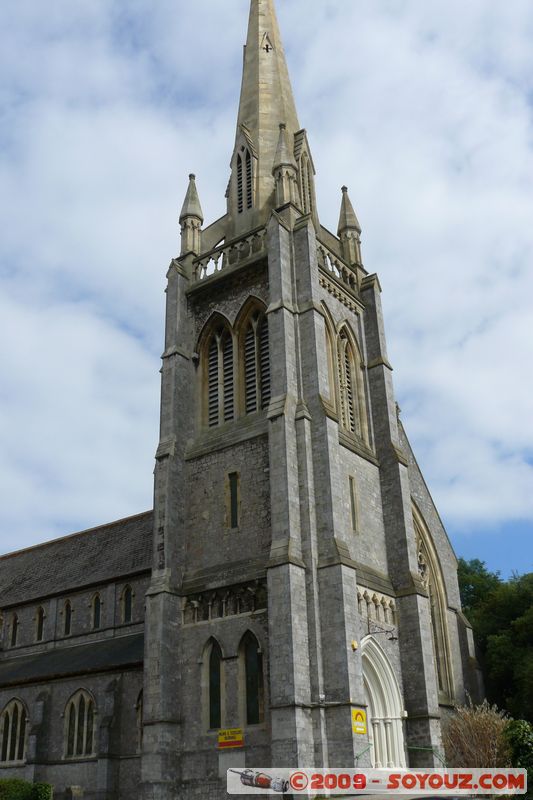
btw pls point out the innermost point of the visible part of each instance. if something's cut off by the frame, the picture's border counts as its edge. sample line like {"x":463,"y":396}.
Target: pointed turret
{"x":286,"y":174}
{"x":349,"y":230}
{"x":266,"y":101}
{"x":191,"y":219}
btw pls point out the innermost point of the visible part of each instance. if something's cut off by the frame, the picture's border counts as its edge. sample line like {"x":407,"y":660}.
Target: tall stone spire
{"x":266,"y":101}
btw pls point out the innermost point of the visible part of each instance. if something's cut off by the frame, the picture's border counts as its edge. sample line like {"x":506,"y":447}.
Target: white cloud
{"x":423,"y":109}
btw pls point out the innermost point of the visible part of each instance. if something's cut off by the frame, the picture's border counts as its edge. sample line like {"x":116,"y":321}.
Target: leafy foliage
{"x":519,"y":735}
{"x":476,"y":583}
{"x":16,"y":789}
{"x":501,"y":613}
{"x":42,"y":791}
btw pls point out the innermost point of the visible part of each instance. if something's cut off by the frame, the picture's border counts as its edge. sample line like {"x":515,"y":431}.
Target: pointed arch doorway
{"x":385,"y":708}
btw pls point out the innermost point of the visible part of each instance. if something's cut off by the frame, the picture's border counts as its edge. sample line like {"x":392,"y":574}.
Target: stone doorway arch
{"x":385,"y":708}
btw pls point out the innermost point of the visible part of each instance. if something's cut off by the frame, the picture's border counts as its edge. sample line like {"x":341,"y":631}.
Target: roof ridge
{"x":49,"y":542}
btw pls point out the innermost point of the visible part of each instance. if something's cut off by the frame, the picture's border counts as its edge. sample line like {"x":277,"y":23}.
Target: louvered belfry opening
{"x":347,"y":385}
{"x":245,"y":180}
{"x":236,"y":369}
{"x":264,"y":362}
{"x":249,"y":176}
{"x":240,"y":192}
{"x":227,"y":377}
{"x":256,"y":364}
{"x":350,"y":408}
{"x":250,"y":368}
{"x":220,"y":381}
{"x":212,"y":378}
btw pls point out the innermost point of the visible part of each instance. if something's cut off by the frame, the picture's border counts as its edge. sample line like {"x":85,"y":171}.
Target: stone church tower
{"x":300,"y":569}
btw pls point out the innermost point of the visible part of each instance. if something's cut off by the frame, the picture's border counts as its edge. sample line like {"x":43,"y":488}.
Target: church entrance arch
{"x":385,"y":707}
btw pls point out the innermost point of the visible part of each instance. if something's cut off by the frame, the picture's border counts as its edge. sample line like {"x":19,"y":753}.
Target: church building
{"x":294,"y":575}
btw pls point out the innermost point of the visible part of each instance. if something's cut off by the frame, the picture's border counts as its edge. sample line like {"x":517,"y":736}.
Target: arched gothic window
{"x":14,"y":631}
{"x":127,"y":604}
{"x":256,"y":363}
{"x":13,"y":733}
{"x":352,"y":411}
{"x":67,"y":621}
{"x":431,"y":575}
{"x":79,"y":731}
{"x":212,"y":685}
{"x":220,"y":377}
{"x":348,"y":385}
{"x":39,"y":624}
{"x":244,"y":180}
{"x":252,"y":672}
{"x":97,"y":611}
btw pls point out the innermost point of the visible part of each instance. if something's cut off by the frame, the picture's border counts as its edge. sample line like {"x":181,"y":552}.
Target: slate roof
{"x":93,"y":556}
{"x":111,"y":654}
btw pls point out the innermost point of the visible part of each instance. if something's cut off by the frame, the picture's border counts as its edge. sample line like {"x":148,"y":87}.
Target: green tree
{"x":501,"y":613}
{"x":476,"y":583}
{"x":519,"y":736}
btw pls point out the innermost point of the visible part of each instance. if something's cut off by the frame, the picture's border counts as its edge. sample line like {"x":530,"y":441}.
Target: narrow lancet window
{"x":127,"y":604}
{"x":67,"y":623}
{"x":353,"y":505}
{"x":14,"y":631}
{"x":253,"y":679}
{"x":233,"y":499}
{"x":39,"y":627}
{"x":97,"y":612}
{"x":215,"y":686}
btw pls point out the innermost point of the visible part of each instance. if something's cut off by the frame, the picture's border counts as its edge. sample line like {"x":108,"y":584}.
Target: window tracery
{"x":432,"y":580}
{"x":235,"y":374}
{"x":79,"y":731}
{"x":13,"y":725}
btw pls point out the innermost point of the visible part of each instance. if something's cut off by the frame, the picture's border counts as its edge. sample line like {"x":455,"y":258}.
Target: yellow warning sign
{"x":359,"y":721}
{"x":230,"y":737}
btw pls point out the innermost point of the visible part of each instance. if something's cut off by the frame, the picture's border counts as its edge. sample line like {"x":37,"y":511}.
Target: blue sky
{"x":423,"y":109}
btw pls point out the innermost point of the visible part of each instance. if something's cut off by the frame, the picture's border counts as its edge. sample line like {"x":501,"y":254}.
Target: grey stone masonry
{"x":294,"y":575}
